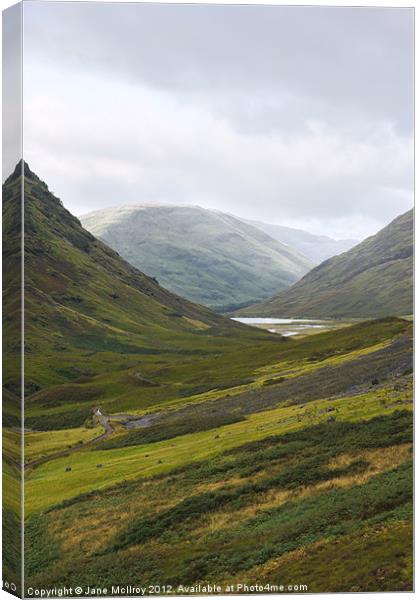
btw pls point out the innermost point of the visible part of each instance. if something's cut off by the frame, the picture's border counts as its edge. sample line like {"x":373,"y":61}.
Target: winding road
{"x":101,"y":419}
{"x":127,"y":420}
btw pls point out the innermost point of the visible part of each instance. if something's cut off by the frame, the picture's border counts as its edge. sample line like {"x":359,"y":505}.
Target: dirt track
{"x":103,"y":420}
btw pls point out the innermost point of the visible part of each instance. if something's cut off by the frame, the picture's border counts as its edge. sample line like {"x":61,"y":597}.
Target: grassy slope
{"x":11,"y":365}
{"x":306,"y":382}
{"x":245,"y":513}
{"x":207,"y":256}
{"x":375,"y":278}
{"x":94,"y":324}
{"x":144,"y":460}
{"x":310,"y":474}
{"x":317,"y":463}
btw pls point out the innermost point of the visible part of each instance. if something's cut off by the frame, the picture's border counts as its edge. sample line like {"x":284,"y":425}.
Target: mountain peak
{"x":22,"y":166}
{"x":207,"y":256}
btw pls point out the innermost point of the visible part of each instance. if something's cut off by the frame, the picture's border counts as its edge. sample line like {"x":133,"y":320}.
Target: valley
{"x":295,"y":327}
{"x":344,"y":440}
{"x":207,"y":256}
{"x":278,"y":473}
{"x":372,"y":279}
{"x":165,"y":442}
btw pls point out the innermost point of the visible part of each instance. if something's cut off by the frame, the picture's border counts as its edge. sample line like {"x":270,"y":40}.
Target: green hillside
{"x":166,"y":445}
{"x":314,"y":469}
{"x":204,"y":255}
{"x":95,"y":325}
{"x":373,"y":279}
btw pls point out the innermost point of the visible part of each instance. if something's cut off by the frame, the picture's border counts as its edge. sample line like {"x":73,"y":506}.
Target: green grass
{"x":93,"y":322}
{"x":158,"y":433}
{"x":146,"y":460}
{"x":179,"y":535}
{"x":190,"y":379}
{"x":384,"y":498}
{"x":12,"y":487}
{"x":12,"y":549}
{"x":384,"y":562}
{"x":262,"y":448}
{"x":41,"y":444}
{"x":293,"y":450}
{"x":59,"y":420}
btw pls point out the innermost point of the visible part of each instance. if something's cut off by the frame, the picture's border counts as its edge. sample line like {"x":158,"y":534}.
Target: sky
{"x":298,"y":116}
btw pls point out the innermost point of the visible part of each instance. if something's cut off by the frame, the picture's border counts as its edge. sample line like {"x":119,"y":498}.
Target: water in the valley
{"x":286,"y":327}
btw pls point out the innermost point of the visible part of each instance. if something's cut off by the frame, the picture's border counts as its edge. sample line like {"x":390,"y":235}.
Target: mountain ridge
{"x":208,"y":256}
{"x":316,"y":247}
{"x":373,"y":279}
{"x":86,"y":309}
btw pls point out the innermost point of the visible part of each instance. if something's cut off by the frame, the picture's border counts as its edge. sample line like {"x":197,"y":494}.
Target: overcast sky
{"x":299,"y":116}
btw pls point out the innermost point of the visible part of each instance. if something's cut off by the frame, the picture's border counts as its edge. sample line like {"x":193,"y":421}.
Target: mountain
{"x":93,"y":322}
{"x":192,"y":446}
{"x":203,"y":255}
{"x":373,"y":279}
{"x":316,"y":247}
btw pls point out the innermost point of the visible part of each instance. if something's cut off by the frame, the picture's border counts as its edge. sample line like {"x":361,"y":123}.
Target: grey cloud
{"x":288,"y":114}
{"x":359,"y":58}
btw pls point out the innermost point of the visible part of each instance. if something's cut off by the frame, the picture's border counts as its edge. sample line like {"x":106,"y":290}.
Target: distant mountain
{"x":373,"y":279}
{"x":316,"y":247}
{"x":203,"y":255}
{"x":87,"y":311}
